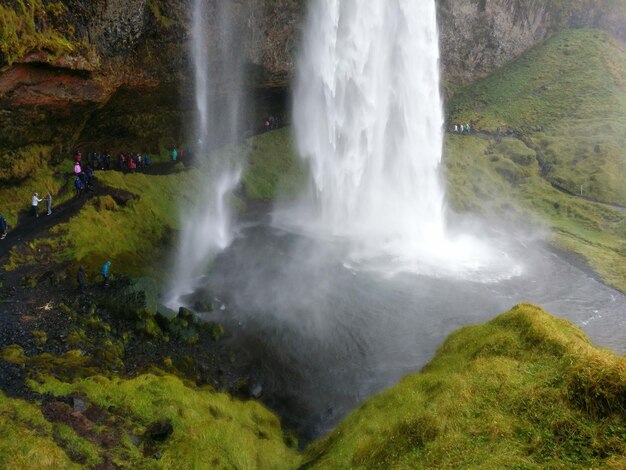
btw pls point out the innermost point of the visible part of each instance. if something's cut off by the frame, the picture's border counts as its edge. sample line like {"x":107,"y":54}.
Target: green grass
{"x":26,"y":439}
{"x":525,"y":390}
{"x":24,"y":173}
{"x":211,"y":430}
{"x":273,"y":166}
{"x":568,"y":97}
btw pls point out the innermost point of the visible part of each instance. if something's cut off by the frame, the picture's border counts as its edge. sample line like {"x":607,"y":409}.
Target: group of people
{"x":83,"y":177}
{"x":468,"y":128}
{"x":98,"y":161}
{"x":130,"y":162}
{"x":270,"y":123}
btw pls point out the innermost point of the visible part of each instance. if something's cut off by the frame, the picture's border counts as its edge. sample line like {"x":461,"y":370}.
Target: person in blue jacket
{"x":4,"y":227}
{"x":105,"y":273}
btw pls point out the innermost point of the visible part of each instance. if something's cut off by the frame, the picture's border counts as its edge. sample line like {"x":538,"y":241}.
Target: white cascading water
{"x":207,"y":228}
{"x":368,"y":119}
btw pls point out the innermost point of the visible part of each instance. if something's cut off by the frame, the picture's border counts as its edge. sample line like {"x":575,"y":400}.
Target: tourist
{"x":49,"y":203}
{"x":131,"y":164}
{"x":456,"y":128}
{"x":35,"y":202}
{"x":77,"y":157}
{"x":174,"y":154}
{"x":4,"y":227}
{"x":147,"y":161}
{"x":77,"y":169}
{"x":80,"y":277}
{"x":105,"y":273}
{"x":88,"y":175}
{"x":79,"y":185}
{"x":467,"y":128}
{"x":460,"y":128}
{"x":122,"y":161}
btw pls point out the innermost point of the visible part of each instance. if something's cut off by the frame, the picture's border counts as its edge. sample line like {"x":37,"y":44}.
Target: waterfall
{"x":217,"y":70}
{"x":368,"y":120}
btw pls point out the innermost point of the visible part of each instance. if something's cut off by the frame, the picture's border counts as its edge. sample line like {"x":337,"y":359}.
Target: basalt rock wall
{"x":62,"y":63}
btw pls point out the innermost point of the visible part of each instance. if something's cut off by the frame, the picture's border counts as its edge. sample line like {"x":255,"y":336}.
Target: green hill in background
{"x":568,"y":98}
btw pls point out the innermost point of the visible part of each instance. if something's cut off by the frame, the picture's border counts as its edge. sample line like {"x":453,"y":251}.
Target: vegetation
{"x":27,"y":439}
{"x":525,"y":390}
{"x":567,"y":98}
{"x":33,"y":25}
{"x":129,"y":232}
{"x":209,"y":429}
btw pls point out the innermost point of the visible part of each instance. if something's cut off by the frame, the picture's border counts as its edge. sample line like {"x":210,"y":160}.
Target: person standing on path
{"x":80,"y":277}
{"x":35,"y":202}
{"x":49,"y":203}
{"x":105,"y":273}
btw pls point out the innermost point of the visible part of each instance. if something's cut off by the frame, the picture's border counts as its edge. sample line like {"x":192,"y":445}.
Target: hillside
{"x":560,"y":114}
{"x":523,"y":391}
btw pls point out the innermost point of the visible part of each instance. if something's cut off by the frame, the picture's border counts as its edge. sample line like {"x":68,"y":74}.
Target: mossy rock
{"x":137,"y":300}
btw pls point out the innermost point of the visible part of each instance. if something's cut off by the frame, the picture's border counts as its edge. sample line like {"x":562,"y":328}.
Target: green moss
{"x":40,"y":337}
{"x":27,"y":441}
{"x":209,"y":428}
{"x":79,"y":449}
{"x":522,"y":391}
{"x":14,"y":354}
{"x":27,"y":26}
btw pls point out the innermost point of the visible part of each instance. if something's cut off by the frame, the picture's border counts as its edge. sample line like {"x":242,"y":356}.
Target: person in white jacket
{"x":35,"y":203}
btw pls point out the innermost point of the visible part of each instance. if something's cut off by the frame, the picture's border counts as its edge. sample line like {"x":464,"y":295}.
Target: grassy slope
{"x":525,"y":390}
{"x":568,"y":96}
{"x":211,"y":430}
{"x":130,"y":235}
{"x":26,"y":439}
{"x":505,"y":178}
